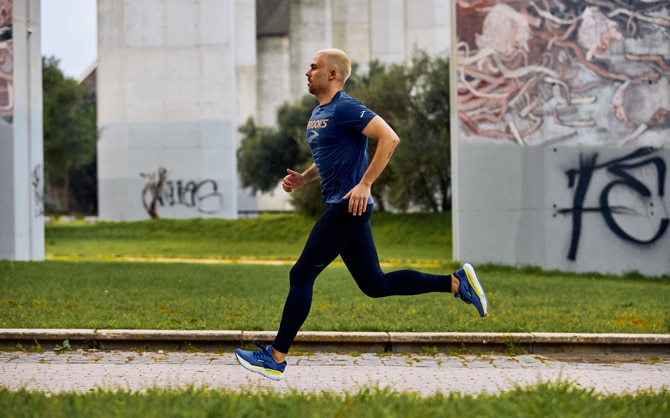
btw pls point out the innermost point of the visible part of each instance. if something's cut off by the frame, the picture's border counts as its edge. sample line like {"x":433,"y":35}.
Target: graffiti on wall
{"x":6,"y":62}
{"x":202,"y":196}
{"x":153,"y":188}
{"x":37,"y":184}
{"x":629,"y":199}
{"x":541,"y":72}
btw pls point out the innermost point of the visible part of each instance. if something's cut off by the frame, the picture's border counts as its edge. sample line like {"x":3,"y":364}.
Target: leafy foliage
{"x":265,"y":153}
{"x":414,"y":100}
{"x":70,"y":133}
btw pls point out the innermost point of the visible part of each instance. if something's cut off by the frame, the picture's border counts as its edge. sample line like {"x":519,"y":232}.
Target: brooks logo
{"x":312,"y":136}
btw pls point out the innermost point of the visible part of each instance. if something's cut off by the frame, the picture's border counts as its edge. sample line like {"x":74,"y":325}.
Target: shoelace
{"x":263,"y":352}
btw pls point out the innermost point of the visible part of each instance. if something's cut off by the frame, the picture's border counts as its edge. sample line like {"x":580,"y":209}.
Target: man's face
{"x":317,"y":75}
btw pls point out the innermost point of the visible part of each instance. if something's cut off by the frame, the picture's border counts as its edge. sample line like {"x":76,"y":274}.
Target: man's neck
{"x":327,"y":97}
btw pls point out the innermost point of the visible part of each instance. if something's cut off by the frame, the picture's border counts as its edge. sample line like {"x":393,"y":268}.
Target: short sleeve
{"x":354,"y":115}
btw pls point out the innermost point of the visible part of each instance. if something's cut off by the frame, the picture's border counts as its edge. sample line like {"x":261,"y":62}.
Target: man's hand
{"x":292,"y":181}
{"x":358,"y":199}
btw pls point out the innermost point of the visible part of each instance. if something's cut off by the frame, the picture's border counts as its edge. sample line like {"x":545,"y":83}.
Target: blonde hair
{"x":337,"y":58}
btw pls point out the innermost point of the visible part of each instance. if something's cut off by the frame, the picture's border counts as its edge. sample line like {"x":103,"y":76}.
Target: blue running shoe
{"x":261,"y":361}
{"x":470,"y":291}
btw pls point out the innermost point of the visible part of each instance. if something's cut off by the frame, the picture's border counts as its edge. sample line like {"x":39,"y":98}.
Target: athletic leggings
{"x":338,"y":232}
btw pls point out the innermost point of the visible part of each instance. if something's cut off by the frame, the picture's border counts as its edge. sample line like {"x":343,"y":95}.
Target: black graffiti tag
{"x":621,"y":169}
{"x":38,"y":190}
{"x":203,"y":195}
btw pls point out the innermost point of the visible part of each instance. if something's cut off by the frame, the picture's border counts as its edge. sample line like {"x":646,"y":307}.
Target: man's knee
{"x":302,"y":275}
{"x":373,"y":291}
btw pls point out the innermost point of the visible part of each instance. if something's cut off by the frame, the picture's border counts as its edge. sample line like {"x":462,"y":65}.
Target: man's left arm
{"x":387,"y":141}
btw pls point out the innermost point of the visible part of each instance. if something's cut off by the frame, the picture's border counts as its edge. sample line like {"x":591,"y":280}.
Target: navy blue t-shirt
{"x":339,"y":149}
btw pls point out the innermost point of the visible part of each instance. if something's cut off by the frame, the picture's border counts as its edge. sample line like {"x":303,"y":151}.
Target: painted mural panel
{"x":563,"y":118}
{"x":568,"y":72}
{"x":6,"y":62}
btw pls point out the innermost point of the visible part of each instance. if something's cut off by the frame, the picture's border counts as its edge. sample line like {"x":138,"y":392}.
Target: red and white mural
{"x":549,"y":72}
{"x":6,"y":62}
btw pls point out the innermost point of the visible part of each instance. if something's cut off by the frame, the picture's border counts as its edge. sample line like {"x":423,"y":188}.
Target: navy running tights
{"x":338,"y":232}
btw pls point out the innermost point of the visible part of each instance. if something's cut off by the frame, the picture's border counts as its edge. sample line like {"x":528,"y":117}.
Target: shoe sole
{"x":474,"y":283}
{"x":269,"y":373}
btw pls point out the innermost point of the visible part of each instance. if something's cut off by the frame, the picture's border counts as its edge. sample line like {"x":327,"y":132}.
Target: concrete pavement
{"x":468,"y":363}
{"x":86,"y":370}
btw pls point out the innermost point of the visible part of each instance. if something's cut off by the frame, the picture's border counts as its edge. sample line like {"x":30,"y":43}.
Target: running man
{"x":338,"y":133}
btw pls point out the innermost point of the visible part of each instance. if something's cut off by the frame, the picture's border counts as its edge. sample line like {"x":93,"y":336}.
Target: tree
{"x":265,"y":153}
{"x":70,"y":132}
{"x":425,"y":159}
{"x":414,"y":100}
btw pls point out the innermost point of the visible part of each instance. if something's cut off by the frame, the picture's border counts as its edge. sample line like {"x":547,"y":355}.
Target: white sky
{"x":69,"y":32}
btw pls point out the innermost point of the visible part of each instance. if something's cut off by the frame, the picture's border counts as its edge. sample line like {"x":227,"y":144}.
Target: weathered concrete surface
{"x":541,"y":343}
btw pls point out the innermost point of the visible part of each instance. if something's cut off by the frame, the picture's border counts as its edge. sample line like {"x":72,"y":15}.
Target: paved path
{"x":82,"y":371}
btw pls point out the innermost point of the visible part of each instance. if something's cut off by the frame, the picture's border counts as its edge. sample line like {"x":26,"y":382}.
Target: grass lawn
{"x":543,"y":400}
{"x":103,"y":294}
{"x":93,"y":292}
{"x":425,"y":237}
{"x":86,"y":284}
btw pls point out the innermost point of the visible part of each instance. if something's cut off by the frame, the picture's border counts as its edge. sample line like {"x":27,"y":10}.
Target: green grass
{"x":81,"y":288}
{"x":399,"y":237}
{"x":100,"y":294}
{"x":543,"y":400}
{"x":91,"y":292}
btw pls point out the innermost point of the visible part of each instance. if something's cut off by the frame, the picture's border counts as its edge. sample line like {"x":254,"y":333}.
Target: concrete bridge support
{"x":21,"y":161}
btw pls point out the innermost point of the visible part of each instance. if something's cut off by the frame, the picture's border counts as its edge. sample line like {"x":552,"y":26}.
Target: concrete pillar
{"x":171,"y":77}
{"x":582,"y":187}
{"x":387,"y":30}
{"x":428,"y":26}
{"x":351,"y":30}
{"x":246,"y":82}
{"x":311,"y":26}
{"x":21,"y":161}
{"x":273,"y":78}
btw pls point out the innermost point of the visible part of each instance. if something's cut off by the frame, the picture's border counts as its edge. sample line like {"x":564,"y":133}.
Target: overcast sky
{"x":69,"y":32}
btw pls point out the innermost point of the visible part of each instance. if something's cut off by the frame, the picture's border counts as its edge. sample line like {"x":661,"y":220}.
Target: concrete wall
{"x":21,"y":161}
{"x":562,"y":146}
{"x":398,"y":28}
{"x":311,"y":29}
{"x":171,"y":95}
{"x":565,"y":208}
{"x":390,"y":31}
{"x":273,"y":87}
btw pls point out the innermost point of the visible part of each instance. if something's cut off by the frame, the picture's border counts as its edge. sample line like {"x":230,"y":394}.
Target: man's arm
{"x":295,"y":180}
{"x":387,"y":141}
